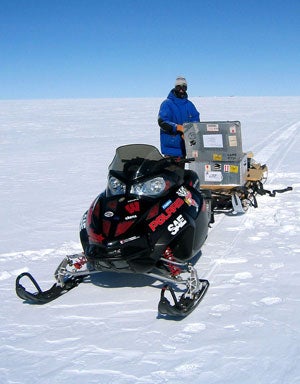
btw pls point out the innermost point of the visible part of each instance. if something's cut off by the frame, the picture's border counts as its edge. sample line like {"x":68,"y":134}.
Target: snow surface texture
{"x":54,"y":158}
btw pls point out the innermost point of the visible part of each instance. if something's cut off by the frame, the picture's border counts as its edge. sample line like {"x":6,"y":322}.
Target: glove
{"x":179,"y":128}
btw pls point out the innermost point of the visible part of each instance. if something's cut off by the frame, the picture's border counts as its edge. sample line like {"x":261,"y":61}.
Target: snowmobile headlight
{"x":153,"y":187}
{"x":116,"y":186}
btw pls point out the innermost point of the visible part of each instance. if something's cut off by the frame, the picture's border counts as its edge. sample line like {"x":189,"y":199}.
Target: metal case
{"x":216,"y":147}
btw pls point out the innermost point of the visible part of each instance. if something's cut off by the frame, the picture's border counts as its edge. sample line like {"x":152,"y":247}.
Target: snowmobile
{"x":152,"y":219}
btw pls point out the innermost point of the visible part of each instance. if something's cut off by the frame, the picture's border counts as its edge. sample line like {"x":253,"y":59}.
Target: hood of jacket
{"x":177,"y":100}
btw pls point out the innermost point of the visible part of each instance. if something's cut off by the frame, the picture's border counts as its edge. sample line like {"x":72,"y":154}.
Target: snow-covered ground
{"x":53,"y":160}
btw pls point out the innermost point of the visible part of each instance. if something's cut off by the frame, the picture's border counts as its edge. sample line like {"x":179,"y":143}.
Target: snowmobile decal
{"x":132,"y":207}
{"x":130,"y":217}
{"x":166,"y":204}
{"x":123,"y":227}
{"x":124,"y":241}
{"x":188,"y":198}
{"x":163,"y":217}
{"x":153,"y":212}
{"x":177,"y":224}
{"x":98,"y":238}
{"x":106,"y":227}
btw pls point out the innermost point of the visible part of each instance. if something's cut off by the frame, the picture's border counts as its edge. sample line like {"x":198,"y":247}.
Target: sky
{"x":136,"y":48}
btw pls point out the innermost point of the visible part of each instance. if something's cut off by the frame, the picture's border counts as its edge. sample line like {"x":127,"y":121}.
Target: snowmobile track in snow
{"x":271,"y":153}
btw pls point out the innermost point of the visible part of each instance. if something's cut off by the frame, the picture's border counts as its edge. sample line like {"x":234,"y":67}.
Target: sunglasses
{"x":181,"y":87}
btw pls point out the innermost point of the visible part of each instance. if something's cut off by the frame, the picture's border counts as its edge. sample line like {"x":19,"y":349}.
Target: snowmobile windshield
{"x":135,"y":161}
{"x":137,"y":169}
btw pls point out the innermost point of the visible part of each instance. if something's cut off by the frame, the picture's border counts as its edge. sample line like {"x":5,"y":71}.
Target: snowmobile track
{"x":285,"y":134}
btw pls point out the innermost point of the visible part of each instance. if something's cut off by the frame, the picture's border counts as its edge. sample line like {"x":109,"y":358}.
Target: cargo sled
{"x":232,"y":176}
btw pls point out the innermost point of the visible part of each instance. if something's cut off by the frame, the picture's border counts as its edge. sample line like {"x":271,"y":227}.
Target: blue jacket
{"x":174,"y":111}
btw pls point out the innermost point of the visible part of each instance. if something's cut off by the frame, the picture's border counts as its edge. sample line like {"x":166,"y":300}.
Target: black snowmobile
{"x":152,"y":219}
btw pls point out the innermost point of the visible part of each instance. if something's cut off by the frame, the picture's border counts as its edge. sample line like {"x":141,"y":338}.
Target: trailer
{"x":232,"y":177}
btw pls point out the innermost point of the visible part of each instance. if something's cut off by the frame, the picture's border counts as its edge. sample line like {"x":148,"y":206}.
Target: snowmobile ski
{"x":188,"y":301}
{"x":237,"y":204}
{"x":40,"y":296}
{"x":183,"y":306}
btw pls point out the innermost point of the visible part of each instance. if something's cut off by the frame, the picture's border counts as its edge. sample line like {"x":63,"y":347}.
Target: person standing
{"x":176,"y":110}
